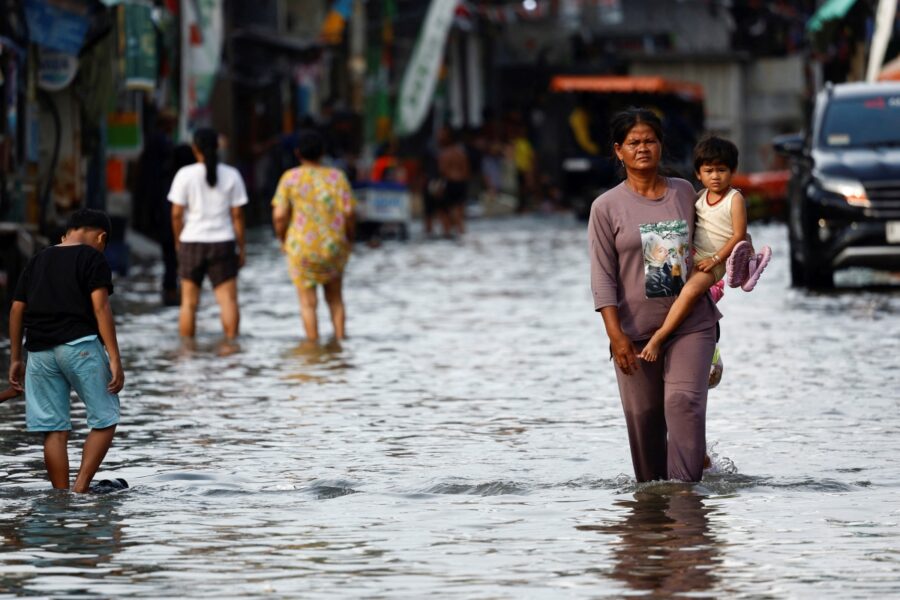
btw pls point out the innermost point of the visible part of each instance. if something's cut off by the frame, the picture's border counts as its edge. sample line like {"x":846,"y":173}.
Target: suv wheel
{"x":817,"y":273}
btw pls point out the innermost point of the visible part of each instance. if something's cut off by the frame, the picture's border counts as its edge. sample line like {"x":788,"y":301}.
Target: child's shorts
{"x":718,"y":271}
{"x":51,"y":375}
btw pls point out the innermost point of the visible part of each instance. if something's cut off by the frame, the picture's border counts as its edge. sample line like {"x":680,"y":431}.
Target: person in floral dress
{"x":313,"y":216}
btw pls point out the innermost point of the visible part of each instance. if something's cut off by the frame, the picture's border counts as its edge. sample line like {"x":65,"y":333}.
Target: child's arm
{"x":16,"y":330}
{"x":107,"y":326}
{"x":738,"y":234}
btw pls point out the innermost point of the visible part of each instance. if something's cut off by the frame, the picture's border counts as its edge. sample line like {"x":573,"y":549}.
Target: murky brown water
{"x":468,"y":442}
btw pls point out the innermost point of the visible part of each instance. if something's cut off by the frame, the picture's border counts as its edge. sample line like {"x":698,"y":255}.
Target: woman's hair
{"x":713,"y":150}
{"x":310,"y":145}
{"x":625,"y":121}
{"x":649,"y":242}
{"x":207,"y":142}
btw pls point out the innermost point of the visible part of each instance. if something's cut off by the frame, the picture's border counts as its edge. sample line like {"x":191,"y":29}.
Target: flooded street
{"x":467,"y":441}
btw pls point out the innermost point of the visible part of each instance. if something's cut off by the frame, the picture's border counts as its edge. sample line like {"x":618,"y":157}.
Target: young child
{"x":719,"y":236}
{"x":61,"y":305}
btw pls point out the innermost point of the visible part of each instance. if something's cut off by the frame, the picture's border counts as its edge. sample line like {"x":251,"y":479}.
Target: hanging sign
{"x":201,"y":40}
{"x":56,"y":70}
{"x":421,"y":74}
{"x":57,"y":25}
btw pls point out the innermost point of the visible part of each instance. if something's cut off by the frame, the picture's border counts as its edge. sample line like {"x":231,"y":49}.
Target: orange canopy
{"x":890,"y":71}
{"x":646,"y":84}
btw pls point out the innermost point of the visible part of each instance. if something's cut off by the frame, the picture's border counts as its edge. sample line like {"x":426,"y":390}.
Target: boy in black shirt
{"x":61,"y":304}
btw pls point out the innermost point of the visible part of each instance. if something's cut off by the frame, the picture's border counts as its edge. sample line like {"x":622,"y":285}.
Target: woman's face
{"x":641,"y":150}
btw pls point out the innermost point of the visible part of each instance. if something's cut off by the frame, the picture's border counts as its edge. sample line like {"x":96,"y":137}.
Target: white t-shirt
{"x":207,"y":215}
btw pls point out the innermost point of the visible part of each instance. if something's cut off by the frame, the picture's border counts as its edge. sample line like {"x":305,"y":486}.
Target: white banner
{"x":884,"y":26}
{"x":421,"y":74}
{"x":201,"y":48}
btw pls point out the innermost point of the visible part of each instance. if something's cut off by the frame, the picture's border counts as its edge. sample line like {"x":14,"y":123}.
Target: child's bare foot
{"x":651,"y":351}
{"x":8,"y":394}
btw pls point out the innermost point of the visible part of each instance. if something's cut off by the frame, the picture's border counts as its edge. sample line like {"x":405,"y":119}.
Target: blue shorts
{"x":50,"y":377}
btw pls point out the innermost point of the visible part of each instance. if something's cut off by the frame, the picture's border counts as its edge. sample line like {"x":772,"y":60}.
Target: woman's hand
{"x":624,"y":353}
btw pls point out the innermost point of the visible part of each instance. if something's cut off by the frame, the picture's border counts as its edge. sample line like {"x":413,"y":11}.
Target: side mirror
{"x":791,"y":144}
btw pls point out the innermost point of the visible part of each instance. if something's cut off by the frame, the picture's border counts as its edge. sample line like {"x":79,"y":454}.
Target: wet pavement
{"x":467,"y":442}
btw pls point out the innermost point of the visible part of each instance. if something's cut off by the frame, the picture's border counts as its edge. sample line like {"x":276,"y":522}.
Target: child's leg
{"x":697,"y":285}
{"x":95,"y":447}
{"x":56,"y":458}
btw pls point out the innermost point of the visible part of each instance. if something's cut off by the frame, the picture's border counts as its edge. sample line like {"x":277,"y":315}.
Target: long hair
{"x":207,"y":142}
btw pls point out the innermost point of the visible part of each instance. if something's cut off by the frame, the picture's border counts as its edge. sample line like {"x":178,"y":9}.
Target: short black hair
{"x":310,"y":145}
{"x":89,"y":218}
{"x":713,"y":150}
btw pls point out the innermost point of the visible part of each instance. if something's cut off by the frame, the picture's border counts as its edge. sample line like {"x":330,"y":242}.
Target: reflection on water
{"x":467,"y":441}
{"x":664,"y":544}
{"x":69,"y":541}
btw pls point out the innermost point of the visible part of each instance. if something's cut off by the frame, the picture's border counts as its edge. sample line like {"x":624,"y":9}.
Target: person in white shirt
{"x":208,"y":222}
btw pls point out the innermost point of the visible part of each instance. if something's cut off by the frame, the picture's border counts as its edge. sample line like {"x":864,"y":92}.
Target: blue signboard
{"x":53,"y":26}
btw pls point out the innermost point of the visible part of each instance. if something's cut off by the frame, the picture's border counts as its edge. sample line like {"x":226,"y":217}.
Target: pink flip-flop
{"x":755,"y":267}
{"x":738,"y":263}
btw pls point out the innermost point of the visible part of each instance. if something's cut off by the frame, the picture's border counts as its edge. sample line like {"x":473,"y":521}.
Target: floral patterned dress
{"x":320,"y":202}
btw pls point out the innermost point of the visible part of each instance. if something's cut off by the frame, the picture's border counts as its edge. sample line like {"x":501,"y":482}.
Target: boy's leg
{"x":47,"y":408}
{"x":86,"y":366}
{"x":335,"y":300}
{"x":56,"y":458}
{"x":187,"y":317}
{"x":308,"y":302}
{"x":227,"y":296}
{"x":697,"y":285}
{"x":95,"y":447}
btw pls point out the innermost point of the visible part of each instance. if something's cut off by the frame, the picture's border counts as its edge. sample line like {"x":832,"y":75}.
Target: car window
{"x":861,"y":122}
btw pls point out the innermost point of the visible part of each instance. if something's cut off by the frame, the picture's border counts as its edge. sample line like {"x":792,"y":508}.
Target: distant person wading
{"x":313,"y":216}
{"x":208,"y":223}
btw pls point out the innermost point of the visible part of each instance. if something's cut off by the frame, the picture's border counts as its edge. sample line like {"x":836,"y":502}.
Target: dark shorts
{"x":455,"y":193}
{"x":218,"y":260}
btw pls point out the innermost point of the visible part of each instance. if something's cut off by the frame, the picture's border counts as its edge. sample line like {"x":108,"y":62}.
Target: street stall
{"x":383,"y":211}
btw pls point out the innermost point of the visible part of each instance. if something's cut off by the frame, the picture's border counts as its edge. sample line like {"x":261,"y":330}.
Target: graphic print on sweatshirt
{"x":666,"y":256}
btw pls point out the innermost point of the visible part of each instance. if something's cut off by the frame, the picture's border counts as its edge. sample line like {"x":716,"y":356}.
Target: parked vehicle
{"x":844,"y":190}
{"x":581,"y":158}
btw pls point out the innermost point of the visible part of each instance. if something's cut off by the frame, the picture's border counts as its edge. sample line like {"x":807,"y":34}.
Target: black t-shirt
{"x":56,"y":287}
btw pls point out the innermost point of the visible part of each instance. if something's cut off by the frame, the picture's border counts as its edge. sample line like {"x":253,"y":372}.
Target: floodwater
{"x":468,"y":442}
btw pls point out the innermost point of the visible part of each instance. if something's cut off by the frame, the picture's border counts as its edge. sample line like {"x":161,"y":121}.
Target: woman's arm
{"x":237,"y":219}
{"x":281,"y":217}
{"x":177,"y":224}
{"x":623,"y":350}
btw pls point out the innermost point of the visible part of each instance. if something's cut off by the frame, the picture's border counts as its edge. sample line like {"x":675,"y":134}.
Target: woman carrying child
{"x":664,"y":401}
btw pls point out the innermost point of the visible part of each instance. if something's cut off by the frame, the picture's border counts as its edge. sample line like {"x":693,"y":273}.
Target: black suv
{"x":844,"y":192}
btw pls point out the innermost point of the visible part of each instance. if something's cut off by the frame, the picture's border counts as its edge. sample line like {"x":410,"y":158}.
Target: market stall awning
{"x":830,"y":11}
{"x":625,"y":84}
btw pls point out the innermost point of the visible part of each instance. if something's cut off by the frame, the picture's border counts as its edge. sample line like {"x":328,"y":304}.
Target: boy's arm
{"x":739,"y":233}
{"x":738,"y":225}
{"x":107,"y":327}
{"x":16,"y":330}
